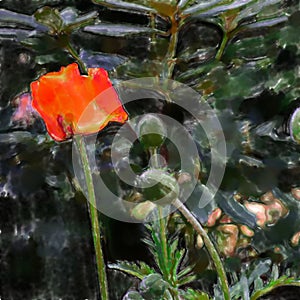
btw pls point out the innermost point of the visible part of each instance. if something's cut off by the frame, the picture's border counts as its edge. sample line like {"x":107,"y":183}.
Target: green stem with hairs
{"x":164,"y":246}
{"x":169,"y":61}
{"x":153,"y":151}
{"x":208,"y":244}
{"x":93,"y":212}
{"x":222,"y":46}
{"x":74,"y":53}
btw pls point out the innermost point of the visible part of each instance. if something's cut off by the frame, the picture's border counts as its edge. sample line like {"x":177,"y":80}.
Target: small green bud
{"x":152,"y":131}
{"x":153,"y":287}
{"x":295,"y":126}
{"x":142,"y":210}
{"x":158,"y":185}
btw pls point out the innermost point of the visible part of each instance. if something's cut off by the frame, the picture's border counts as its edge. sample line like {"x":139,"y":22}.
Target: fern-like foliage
{"x":169,"y":259}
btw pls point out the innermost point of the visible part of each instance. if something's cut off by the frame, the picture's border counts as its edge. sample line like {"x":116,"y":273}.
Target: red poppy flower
{"x":71,"y":103}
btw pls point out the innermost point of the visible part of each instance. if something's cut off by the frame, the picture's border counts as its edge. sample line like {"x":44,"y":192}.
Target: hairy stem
{"x":222,"y":46}
{"x":153,"y":151}
{"x":163,"y":240}
{"x":209,"y":246}
{"x":93,"y":212}
{"x":169,"y":61}
{"x":74,"y":53}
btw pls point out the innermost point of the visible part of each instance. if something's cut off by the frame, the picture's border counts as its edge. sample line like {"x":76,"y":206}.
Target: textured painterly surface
{"x":45,"y":241}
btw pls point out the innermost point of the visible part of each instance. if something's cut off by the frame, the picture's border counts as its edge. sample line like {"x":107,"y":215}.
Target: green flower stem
{"x":170,"y":61}
{"x":162,"y":225}
{"x":163,"y":240}
{"x":152,"y":25}
{"x":74,"y":53}
{"x":93,"y":212}
{"x":209,"y":246}
{"x":153,"y":151}
{"x":222,"y":46}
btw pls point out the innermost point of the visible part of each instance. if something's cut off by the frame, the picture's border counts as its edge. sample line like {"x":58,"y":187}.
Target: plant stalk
{"x":153,"y":151}
{"x":74,"y":53}
{"x":93,"y":212}
{"x":163,"y":239}
{"x":222,"y":46}
{"x":209,"y":246}
{"x":169,"y":61}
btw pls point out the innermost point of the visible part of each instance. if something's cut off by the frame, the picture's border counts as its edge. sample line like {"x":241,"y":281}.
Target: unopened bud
{"x":142,"y":210}
{"x":152,"y":131}
{"x":295,"y":126}
{"x":158,"y":185}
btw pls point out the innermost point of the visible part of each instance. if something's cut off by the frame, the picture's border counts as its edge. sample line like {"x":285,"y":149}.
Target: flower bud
{"x":152,"y":131}
{"x":295,"y":126}
{"x":158,"y":185}
{"x":142,"y":210}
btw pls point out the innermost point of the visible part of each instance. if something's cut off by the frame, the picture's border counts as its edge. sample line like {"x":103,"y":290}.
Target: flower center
{"x":66,"y":124}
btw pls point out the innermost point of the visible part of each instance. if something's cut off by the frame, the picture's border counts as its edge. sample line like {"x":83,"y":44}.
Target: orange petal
{"x":66,"y":98}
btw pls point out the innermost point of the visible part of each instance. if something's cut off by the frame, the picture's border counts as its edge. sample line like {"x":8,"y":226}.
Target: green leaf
{"x":217,"y":9}
{"x":18,"y":26}
{"x":65,"y":21}
{"x":258,"y":284}
{"x":51,"y":18}
{"x":275,"y":272}
{"x":124,"y":6}
{"x":261,"y":268}
{"x":200,"y":71}
{"x":264,"y":23}
{"x":10,"y":17}
{"x":191,"y":294}
{"x":289,"y":35}
{"x":54,"y":57}
{"x":15,"y":34}
{"x":106,"y":61}
{"x":135,"y":68}
{"x":247,"y":48}
{"x":240,"y":290}
{"x":282,"y":281}
{"x":176,"y":260}
{"x":282,"y":81}
{"x":187,"y":270}
{"x":183,"y":3}
{"x":116,"y":30}
{"x":73,"y":21}
{"x":186,"y":280}
{"x":257,"y":7}
{"x":242,"y":82}
{"x":139,"y":270}
{"x":202,"y":6}
{"x":157,"y":252}
{"x":43,"y":44}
